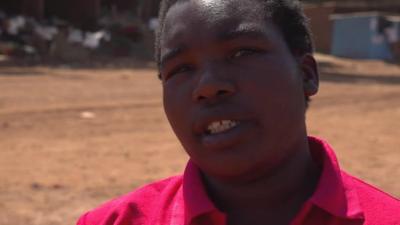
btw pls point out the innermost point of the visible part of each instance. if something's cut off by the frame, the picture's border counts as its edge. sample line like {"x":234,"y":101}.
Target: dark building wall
{"x":148,"y":9}
{"x":124,"y":4}
{"x":321,"y":25}
{"x":33,"y":8}
{"x":84,"y":13}
{"x":81,"y":13}
{"x":11,"y":6}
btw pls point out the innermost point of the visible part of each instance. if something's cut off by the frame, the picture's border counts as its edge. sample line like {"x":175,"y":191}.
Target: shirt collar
{"x":196,"y":199}
{"x":335,"y":192}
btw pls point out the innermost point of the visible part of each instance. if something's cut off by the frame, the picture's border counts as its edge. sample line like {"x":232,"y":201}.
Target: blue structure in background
{"x":364,"y":35}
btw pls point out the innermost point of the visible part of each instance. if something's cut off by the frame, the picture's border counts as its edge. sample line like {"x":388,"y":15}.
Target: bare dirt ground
{"x":73,"y":138}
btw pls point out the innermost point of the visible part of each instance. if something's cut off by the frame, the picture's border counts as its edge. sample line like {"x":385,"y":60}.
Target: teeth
{"x":221,"y":126}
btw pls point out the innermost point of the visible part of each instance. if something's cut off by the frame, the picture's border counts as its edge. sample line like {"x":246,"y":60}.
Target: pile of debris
{"x":25,"y":37}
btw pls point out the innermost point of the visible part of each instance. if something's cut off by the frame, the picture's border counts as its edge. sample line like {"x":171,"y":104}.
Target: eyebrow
{"x":225,"y":36}
{"x":171,"y":54}
{"x":247,"y":32}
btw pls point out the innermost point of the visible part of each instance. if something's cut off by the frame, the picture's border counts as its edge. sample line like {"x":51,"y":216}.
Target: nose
{"x":212,"y":86}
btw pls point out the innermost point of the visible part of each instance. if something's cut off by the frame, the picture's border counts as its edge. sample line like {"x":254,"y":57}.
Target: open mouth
{"x":221,"y":126}
{"x":224,"y":133}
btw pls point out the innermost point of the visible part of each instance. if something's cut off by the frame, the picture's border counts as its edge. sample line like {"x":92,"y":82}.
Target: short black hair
{"x":288,"y":15}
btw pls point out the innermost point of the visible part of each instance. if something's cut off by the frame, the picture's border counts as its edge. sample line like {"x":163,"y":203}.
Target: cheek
{"x":179,"y":117}
{"x":274,"y":89}
{"x":177,"y":109}
{"x":171,"y":106}
{"x":273,"y":79}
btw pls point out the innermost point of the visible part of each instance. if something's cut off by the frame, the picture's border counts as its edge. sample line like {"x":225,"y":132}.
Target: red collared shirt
{"x":339,"y":199}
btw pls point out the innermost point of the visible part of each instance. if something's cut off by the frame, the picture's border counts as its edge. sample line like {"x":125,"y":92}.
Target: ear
{"x":309,"y":71}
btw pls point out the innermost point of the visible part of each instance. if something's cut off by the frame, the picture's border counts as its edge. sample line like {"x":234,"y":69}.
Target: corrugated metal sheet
{"x":364,"y":35}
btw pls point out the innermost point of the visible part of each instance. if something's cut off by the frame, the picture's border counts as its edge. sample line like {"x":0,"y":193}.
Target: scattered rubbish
{"x":36,"y":186}
{"x":153,"y":24}
{"x":46,"y":32}
{"x":22,"y":36}
{"x":57,"y":186}
{"x":5,"y":125}
{"x":93,"y":40}
{"x":64,"y":50}
{"x":75,"y":36}
{"x":87,"y":115}
{"x":15,"y":24}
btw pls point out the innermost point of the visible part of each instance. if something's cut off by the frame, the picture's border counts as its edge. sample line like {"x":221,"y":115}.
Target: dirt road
{"x":73,"y":138}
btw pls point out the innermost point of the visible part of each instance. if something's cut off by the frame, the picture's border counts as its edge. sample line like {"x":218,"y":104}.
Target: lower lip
{"x":227,"y":138}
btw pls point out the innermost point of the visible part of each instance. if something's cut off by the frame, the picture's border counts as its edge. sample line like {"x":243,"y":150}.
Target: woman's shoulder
{"x":134,"y":206}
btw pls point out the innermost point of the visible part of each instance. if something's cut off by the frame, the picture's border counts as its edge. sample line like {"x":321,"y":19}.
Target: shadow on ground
{"x":9,"y":66}
{"x":357,"y":78}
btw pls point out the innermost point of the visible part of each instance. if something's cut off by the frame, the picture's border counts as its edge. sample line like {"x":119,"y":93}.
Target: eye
{"x":179,"y":70}
{"x":243,"y":52}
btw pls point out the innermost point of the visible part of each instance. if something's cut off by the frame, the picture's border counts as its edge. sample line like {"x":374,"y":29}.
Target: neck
{"x":280,"y":193}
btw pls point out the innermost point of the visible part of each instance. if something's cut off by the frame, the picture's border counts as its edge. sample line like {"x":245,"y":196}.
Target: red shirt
{"x":339,"y":199}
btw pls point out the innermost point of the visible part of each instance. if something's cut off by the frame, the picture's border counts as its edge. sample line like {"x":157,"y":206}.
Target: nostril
{"x":222,"y":92}
{"x":212,"y":91}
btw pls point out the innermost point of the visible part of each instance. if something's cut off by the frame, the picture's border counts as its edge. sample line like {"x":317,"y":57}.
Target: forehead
{"x":188,"y":18}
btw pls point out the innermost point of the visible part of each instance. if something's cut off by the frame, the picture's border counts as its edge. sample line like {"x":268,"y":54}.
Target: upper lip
{"x":201,"y":124}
